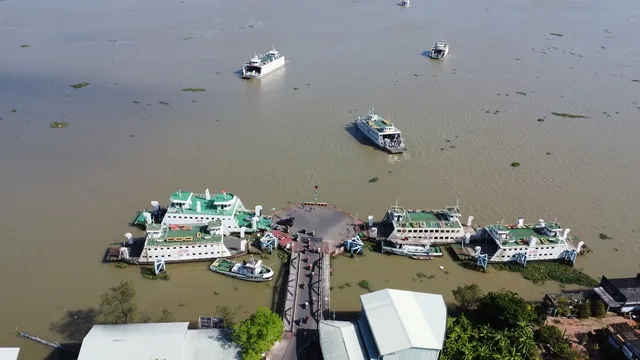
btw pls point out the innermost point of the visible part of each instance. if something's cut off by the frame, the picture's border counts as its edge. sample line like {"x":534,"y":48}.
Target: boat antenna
{"x":396,"y":201}
{"x":457,"y":204}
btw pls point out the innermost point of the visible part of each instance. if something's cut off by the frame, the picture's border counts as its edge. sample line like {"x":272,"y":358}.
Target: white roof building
{"x":167,"y":341}
{"x":395,"y":324}
{"x":9,"y":353}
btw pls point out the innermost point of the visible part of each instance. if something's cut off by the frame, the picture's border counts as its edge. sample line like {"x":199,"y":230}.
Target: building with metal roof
{"x":9,"y":353}
{"x":167,"y":341}
{"x":622,"y":295}
{"x":394,"y":324}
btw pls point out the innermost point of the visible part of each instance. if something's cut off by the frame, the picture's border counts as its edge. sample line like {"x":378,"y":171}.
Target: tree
{"x":598,"y":309}
{"x":117,"y":305}
{"x":258,"y":333}
{"x":584,"y":310}
{"x":503,"y":310}
{"x":549,"y":334}
{"x":227,"y":315}
{"x":468,"y":296}
{"x":166,"y":316}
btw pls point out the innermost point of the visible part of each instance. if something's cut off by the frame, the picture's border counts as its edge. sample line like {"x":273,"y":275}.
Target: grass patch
{"x":515,"y":164}
{"x":194,"y":90}
{"x":58,"y":125}
{"x":25,"y":45}
{"x":149,"y":273}
{"x":604,"y":236}
{"x":571,"y":116}
{"x":540,"y":271}
{"x":374,"y":179}
{"x":121,"y":265}
{"x":80,"y":85}
{"x":365,"y":285}
{"x":556,"y":34}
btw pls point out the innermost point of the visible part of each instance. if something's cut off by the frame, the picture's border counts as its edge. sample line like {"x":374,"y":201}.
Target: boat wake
{"x":396,"y":158}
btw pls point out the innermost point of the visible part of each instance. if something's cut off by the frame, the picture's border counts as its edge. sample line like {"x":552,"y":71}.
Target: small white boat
{"x":405,"y":3}
{"x":439,"y":50}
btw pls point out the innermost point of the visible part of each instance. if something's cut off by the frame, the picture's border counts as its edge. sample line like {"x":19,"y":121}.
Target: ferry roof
{"x":188,"y":231}
{"x":213,"y":206}
{"x":379,"y":124}
{"x":516,"y":234}
{"x":431,"y":219}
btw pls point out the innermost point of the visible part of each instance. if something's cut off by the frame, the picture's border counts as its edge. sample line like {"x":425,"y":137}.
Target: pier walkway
{"x":321,"y":231}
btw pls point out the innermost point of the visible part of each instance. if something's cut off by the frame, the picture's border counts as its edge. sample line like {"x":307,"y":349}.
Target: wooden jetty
{"x":54,"y":345}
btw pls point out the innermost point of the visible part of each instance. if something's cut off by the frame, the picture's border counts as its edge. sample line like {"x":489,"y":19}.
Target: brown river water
{"x":66,"y":194}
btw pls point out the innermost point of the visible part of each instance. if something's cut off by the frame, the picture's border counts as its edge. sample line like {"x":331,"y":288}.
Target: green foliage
{"x":80,"y":85}
{"x":584,"y":310}
{"x":598,"y":308}
{"x":515,"y":164}
{"x":479,"y":342}
{"x":258,"y":333}
{"x":503,"y":310}
{"x":468,"y":296}
{"x":117,"y":305}
{"x":363,"y":284}
{"x":561,"y":347}
{"x":166,"y":316}
{"x":58,"y":125}
{"x":541,"y":271}
{"x":227,"y":314}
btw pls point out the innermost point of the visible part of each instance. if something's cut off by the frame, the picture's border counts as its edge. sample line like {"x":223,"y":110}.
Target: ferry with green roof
{"x":382,"y":132}
{"x":413,"y":232}
{"x":523,"y":242}
{"x":186,"y":207}
{"x":179,"y":243}
{"x":261,"y":65}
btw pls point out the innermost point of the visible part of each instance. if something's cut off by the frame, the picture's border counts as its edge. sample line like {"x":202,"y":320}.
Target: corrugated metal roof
{"x":9,"y":353}
{"x":401,"y":319}
{"x":207,"y":344}
{"x":134,"y":342}
{"x":340,"y":340}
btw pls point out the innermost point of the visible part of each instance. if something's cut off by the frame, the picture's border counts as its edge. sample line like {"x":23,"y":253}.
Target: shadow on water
{"x":426,"y":53}
{"x":308,"y":345}
{"x":280,"y":289}
{"x":353,"y":130}
{"x":69,"y":351}
{"x":75,"y":324}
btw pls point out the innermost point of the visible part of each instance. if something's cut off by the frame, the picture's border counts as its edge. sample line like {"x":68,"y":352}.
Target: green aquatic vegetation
{"x":25,"y":45}
{"x":194,"y":90}
{"x":121,"y":265}
{"x":58,"y":125}
{"x":80,"y":85}
{"x":149,"y":273}
{"x":604,"y":236}
{"x":571,"y":116}
{"x":521,"y":93}
{"x":365,"y":285}
{"x":515,"y":164}
{"x":540,"y":271}
{"x":556,"y":34}
{"x":163,"y":102}
{"x":374,"y":179}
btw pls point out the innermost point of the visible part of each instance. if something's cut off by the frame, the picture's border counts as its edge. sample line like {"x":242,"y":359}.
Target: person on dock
{"x":306,"y":304}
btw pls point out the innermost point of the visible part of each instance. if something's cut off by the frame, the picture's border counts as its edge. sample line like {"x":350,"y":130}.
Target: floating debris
{"x":515,"y":164}
{"x":80,"y":85}
{"x":58,"y":125}
{"x":540,"y":119}
{"x":163,"y":102}
{"x":556,"y":34}
{"x":374,"y":179}
{"x":14,"y":110}
{"x":136,"y":102}
{"x":572,"y":116}
{"x":604,"y":236}
{"x":635,"y":80}
{"x":194,"y":90}
{"x":25,"y":45}
{"x":521,"y":93}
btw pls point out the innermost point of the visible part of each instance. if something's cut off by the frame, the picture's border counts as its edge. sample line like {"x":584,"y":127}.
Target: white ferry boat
{"x":405,"y":3}
{"x":178,"y":243}
{"x":261,"y":65}
{"x":382,"y":132}
{"x":523,"y":242}
{"x":249,"y":270}
{"x":413,"y":232}
{"x":439,"y":50}
{"x":187,"y":208}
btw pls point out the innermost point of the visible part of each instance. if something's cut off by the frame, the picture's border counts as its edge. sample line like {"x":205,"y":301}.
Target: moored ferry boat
{"x":382,"y":132}
{"x":261,"y":65}
{"x":179,"y":243}
{"x":187,"y":207}
{"x":413,"y":232}
{"x":250,"y":270}
{"x":523,"y":242}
